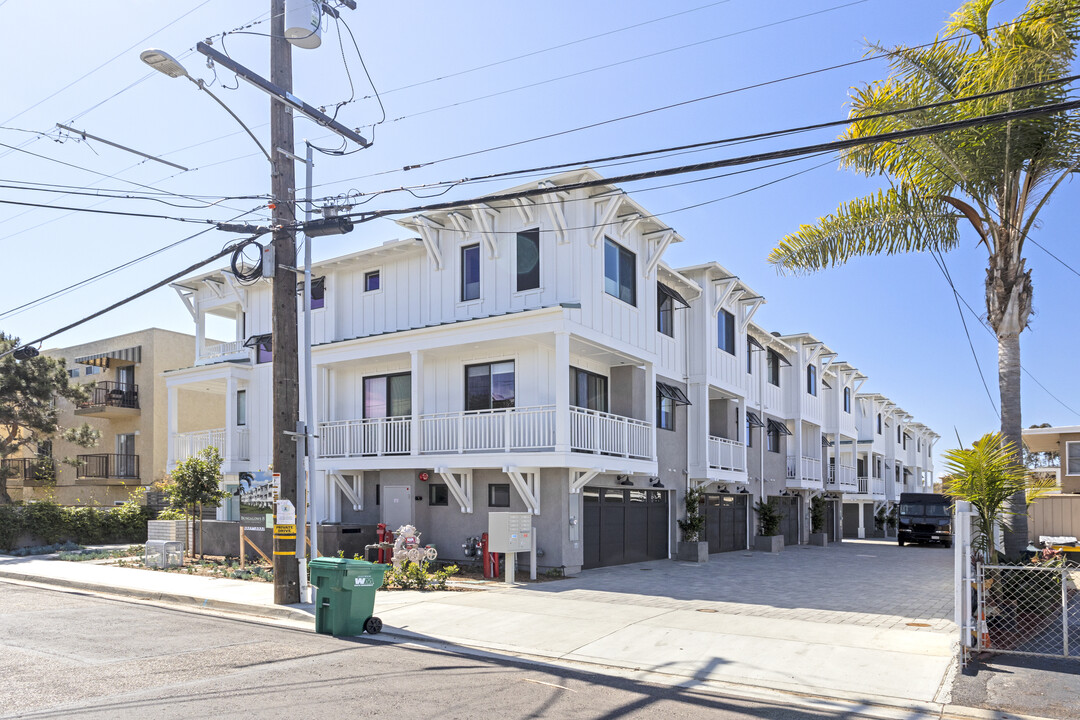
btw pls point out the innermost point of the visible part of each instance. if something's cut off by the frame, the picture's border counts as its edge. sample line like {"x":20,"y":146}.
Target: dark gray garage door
{"x":851,"y":520}
{"x":725,"y":522}
{"x":624,"y":526}
{"x":789,"y":523}
{"x":832,"y":529}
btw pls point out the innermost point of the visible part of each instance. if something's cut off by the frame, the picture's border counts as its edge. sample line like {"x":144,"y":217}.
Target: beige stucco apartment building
{"x":127,"y":405}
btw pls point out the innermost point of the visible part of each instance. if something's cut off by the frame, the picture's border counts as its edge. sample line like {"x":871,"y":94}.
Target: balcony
{"x":804,"y":472}
{"x":842,"y":479}
{"x":105,"y":466}
{"x":190,"y":444}
{"x":727,"y":454}
{"x":870,"y":486}
{"x":32,"y":471}
{"x":223,"y":352}
{"x":503,"y":430}
{"x":111,"y":399}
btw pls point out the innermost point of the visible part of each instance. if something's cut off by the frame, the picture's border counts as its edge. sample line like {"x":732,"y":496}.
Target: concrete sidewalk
{"x":818,"y":658}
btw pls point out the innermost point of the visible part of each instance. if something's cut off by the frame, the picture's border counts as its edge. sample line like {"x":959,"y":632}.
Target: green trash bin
{"x":345,"y":599}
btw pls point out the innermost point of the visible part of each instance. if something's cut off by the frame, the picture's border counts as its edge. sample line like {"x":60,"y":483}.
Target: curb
{"x":275,"y":612}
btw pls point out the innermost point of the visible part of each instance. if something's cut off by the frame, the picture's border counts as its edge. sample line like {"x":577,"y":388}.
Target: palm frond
{"x":885,"y":223}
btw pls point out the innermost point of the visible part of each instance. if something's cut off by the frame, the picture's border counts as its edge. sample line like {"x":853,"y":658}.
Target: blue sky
{"x":894,"y":318}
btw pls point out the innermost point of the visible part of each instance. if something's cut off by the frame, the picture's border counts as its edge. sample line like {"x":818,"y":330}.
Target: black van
{"x":925,"y":517}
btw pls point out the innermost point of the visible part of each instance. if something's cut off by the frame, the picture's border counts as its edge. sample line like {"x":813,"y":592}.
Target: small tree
{"x":817,"y":514}
{"x":29,"y":415}
{"x":694,"y":523}
{"x":987,"y":475}
{"x":769,"y":517}
{"x":196,"y":482}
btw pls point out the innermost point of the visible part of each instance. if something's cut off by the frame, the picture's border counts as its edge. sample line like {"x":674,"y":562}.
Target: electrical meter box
{"x":509,"y":532}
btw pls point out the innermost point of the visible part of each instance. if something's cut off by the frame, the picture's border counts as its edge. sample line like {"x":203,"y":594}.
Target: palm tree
{"x":987,"y":475}
{"x":996,"y":177}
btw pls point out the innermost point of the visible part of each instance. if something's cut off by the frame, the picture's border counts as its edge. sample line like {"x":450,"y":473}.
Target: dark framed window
{"x":665,"y":313}
{"x":811,"y":379}
{"x":470,"y":272}
{"x":847,"y":400}
{"x":499,"y":495}
{"x":372,"y":281}
{"x":773,"y":361}
{"x":898,"y":432}
{"x":438,"y":495}
{"x":620,"y":272}
{"x":264,"y":350}
{"x":388,"y":395}
{"x":905,"y":443}
{"x":749,"y":355}
{"x":489,"y":386}
{"x":241,"y":407}
{"x":736,"y":424}
{"x":588,"y":390}
{"x":665,"y":412}
{"x":772,"y":443}
{"x":749,"y":432}
{"x":318,"y":293}
{"x":725,"y":331}
{"x":879,"y":423}
{"x":528,"y":260}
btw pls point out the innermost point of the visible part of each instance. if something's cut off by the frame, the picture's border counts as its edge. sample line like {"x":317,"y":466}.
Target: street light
{"x":166,"y":64}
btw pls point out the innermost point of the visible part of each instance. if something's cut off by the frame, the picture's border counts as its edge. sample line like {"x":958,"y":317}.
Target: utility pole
{"x":286,"y":392}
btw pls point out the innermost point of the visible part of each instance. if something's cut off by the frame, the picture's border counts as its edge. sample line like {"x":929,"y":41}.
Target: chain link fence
{"x":1028,"y":609}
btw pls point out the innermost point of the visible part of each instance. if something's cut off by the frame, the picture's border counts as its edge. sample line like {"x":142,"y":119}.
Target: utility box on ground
{"x":510,"y":532}
{"x":164,"y":553}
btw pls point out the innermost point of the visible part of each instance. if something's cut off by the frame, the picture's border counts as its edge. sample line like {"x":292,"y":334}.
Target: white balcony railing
{"x":804,"y":468}
{"x":871,"y":486}
{"x":372,"y":436}
{"x":842,"y":478}
{"x":726,"y":454}
{"x":600,"y":432}
{"x":211,"y":352}
{"x":190,"y":444}
{"x":500,"y":430}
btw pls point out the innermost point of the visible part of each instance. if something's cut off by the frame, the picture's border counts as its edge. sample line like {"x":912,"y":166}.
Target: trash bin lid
{"x":330,"y":563}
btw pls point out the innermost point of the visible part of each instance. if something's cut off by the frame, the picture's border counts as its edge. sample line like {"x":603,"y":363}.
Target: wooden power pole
{"x":286,"y":391}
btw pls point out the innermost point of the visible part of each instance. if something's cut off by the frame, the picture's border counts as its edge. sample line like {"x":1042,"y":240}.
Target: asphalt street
{"x":73,"y":655}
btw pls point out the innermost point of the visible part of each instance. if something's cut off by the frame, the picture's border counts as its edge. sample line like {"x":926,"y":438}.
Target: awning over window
{"x":826,"y":442}
{"x":825,"y":383}
{"x":257,"y":340}
{"x":753,"y":341}
{"x":778,"y":427}
{"x":753,"y":419}
{"x":672,"y":293}
{"x":783,"y":360}
{"x":672,"y":393}
{"x":113,"y":358}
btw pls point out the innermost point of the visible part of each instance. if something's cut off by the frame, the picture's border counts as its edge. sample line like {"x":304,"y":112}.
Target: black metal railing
{"x":35,"y":469}
{"x":108,"y":466}
{"x":108,"y":393}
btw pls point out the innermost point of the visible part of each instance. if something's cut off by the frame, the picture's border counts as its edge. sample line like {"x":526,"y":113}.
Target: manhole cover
{"x":708,"y":610}
{"x":918,"y":624}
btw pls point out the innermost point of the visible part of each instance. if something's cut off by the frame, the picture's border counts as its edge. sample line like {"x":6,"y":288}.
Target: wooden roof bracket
{"x":462,"y":490}
{"x":429,"y":234}
{"x":580,"y":477}
{"x":353,"y":493}
{"x":660,"y":244}
{"x":186,"y":296}
{"x":607,"y":217}
{"x":484,"y":217}
{"x":750,"y":306}
{"x":526,"y":209}
{"x":553,"y":205}
{"x":723,"y":292}
{"x":527,"y":483}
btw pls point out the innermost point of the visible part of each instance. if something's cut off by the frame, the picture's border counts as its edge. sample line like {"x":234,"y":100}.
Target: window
{"x":241,"y":407}
{"x":749,"y":355}
{"x":879,"y":423}
{"x":620,"y":272}
{"x":588,"y":390}
{"x":264,"y":348}
{"x":898,"y":432}
{"x":749,"y":432}
{"x":388,"y":395}
{"x":847,"y":400}
{"x":371,"y":281}
{"x":665,"y":312}
{"x":499,"y":495}
{"x":73,"y":373}
{"x":811,"y":379}
{"x":528,"y":260}
{"x":772,"y":439}
{"x":905,"y":442}
{"x":470,"y":272}
{"x":92,"y":370}
{"x":736,"y":423}
{"x":1072,"y":458}
{"x":438,"y":495}
{"x":489,"y":386}
{"x":918,"y":444}
{"x":725,"y":331}
{"x":665,"y":412}
{"x":774,"y":367}
{"x":318,"y":293}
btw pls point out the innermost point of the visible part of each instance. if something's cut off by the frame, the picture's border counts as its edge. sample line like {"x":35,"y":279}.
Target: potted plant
{"x":769,"y":538}
{"x":818,"y":507}
{"x":879,"y":522}
{"x":692,"y":548}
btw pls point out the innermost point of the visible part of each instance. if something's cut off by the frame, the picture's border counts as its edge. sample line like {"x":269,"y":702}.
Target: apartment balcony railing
{"x":523,"y":429}
{"x":842,"y":478}
{"x":107,"y":465}
{"x":108,"y":395}
{"x":190,"y":444}
{"x":804,"y":468}
{"x":871,"y":486}
{"x":220,"y":350}
{"x":30,"y":470}
{"x":726,"y":454}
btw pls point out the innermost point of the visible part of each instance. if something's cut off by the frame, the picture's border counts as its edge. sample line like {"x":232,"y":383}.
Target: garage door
{"x":789,"y":523}
{"x":832,"y":509}
{"x":851,"y":520}
{"x":725,"y":522}
{"x":624,"y":526}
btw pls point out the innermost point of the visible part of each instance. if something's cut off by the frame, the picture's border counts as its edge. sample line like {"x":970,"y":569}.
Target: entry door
{"x":397,"y":506}
{"x":831,"y":508}
{"x":725,"y":522}
{"x":126,"y":462}
{"x":789,"y":524}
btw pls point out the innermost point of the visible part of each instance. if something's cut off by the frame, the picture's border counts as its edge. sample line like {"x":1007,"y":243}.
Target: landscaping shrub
{"x":50,"y":523}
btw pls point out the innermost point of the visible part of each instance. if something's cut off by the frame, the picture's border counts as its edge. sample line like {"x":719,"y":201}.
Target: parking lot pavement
{"x":872,"y":583}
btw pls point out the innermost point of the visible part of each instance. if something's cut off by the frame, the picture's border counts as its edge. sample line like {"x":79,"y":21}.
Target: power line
{"x":1073,"y":270}
{"x":120,"y":194}
{"x":110,"y":212}
{"x":68,"y":190}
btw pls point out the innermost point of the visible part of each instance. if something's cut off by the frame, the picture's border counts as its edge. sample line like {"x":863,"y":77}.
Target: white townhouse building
{"x":535,"y":356}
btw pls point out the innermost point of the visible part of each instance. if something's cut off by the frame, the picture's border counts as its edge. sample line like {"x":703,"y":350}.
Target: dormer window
{"x":528,"y":260}
{"x":470,"y":272}
{"x":620,"y":272}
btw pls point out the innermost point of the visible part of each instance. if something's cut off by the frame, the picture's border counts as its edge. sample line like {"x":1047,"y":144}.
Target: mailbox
{"x":510,"y":532}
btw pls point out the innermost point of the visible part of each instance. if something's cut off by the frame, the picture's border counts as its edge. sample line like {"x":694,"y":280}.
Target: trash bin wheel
{"x":373,"y":626}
